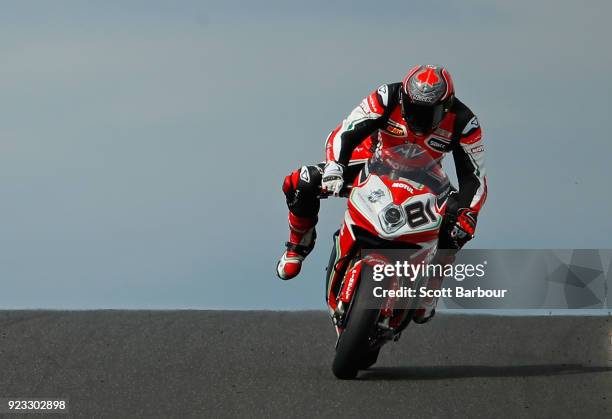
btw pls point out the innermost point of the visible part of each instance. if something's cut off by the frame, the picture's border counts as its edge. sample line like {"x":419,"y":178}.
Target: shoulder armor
{"x":465,"y":120}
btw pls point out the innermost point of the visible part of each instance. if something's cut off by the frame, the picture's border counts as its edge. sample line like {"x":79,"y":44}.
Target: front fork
{"x":395,"y":313}
{"x":346,"y":294}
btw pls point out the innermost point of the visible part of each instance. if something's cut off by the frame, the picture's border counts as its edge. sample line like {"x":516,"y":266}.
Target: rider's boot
{"x":302,"y":236}
{"x":427,"y":306}
{"x":426,"y":311}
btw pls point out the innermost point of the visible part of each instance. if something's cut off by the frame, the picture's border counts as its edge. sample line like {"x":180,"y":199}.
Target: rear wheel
{"x":354,"y":351}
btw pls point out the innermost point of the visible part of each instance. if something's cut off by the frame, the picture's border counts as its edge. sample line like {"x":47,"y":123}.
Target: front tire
{"x":369,"y":359}
{"x":353,"y":351}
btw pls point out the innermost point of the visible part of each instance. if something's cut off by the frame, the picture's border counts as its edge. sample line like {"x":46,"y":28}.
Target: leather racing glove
{"x":332,"y":180}
{"x":464,"y":227}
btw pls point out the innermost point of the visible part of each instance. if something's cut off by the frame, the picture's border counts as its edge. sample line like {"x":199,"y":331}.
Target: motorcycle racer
{"x":422,"y":109}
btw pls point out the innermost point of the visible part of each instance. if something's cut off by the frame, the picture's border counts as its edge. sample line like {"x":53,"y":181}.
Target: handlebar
{"x":344,"y":193}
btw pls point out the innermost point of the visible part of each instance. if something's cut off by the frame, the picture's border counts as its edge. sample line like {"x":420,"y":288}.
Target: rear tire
{"x":353,"y":350}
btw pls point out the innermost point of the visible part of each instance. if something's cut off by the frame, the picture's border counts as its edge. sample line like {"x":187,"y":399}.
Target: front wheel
{"x":369,"y":359}
{"x":354,"y":351}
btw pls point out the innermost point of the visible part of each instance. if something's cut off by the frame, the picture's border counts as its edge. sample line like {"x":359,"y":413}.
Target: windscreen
{"x":409,"y":162}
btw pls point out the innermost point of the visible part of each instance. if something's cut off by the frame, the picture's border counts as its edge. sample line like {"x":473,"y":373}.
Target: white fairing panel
{"x":419,"y":212}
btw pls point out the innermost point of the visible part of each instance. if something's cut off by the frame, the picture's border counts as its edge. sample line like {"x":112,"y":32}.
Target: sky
{"x":143,"y":143}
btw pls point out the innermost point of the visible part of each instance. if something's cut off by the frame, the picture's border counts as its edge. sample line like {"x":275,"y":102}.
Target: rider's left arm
{"x":469,"y":156}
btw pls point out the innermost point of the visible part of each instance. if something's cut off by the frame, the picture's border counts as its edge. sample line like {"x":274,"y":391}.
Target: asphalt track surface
{"x":277,"y":364}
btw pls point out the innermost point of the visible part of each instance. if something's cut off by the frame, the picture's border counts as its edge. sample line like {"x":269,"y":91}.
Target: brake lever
{"x":344,"y":193}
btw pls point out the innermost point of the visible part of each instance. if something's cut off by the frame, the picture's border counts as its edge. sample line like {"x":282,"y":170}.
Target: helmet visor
{"x":422,"y":118}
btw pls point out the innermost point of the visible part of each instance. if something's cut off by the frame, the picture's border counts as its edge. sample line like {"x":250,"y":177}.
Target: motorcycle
{"x":397,"y":201}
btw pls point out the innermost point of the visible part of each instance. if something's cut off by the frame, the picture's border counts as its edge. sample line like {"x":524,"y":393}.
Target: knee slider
{"x":306,"y":179}
{"x":309,"y":180}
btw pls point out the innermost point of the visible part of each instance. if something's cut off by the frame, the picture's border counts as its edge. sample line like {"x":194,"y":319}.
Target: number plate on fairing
{"x":422,"y":214}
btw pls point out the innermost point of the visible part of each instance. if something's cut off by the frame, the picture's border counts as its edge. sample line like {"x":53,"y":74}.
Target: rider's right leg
{"x":301,"y":188}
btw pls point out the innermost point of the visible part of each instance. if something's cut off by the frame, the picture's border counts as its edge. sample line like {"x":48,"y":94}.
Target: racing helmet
{"x":426,"y":96}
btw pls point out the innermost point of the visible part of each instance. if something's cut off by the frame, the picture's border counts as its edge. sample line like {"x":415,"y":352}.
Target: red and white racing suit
{"x":378,"y":122}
